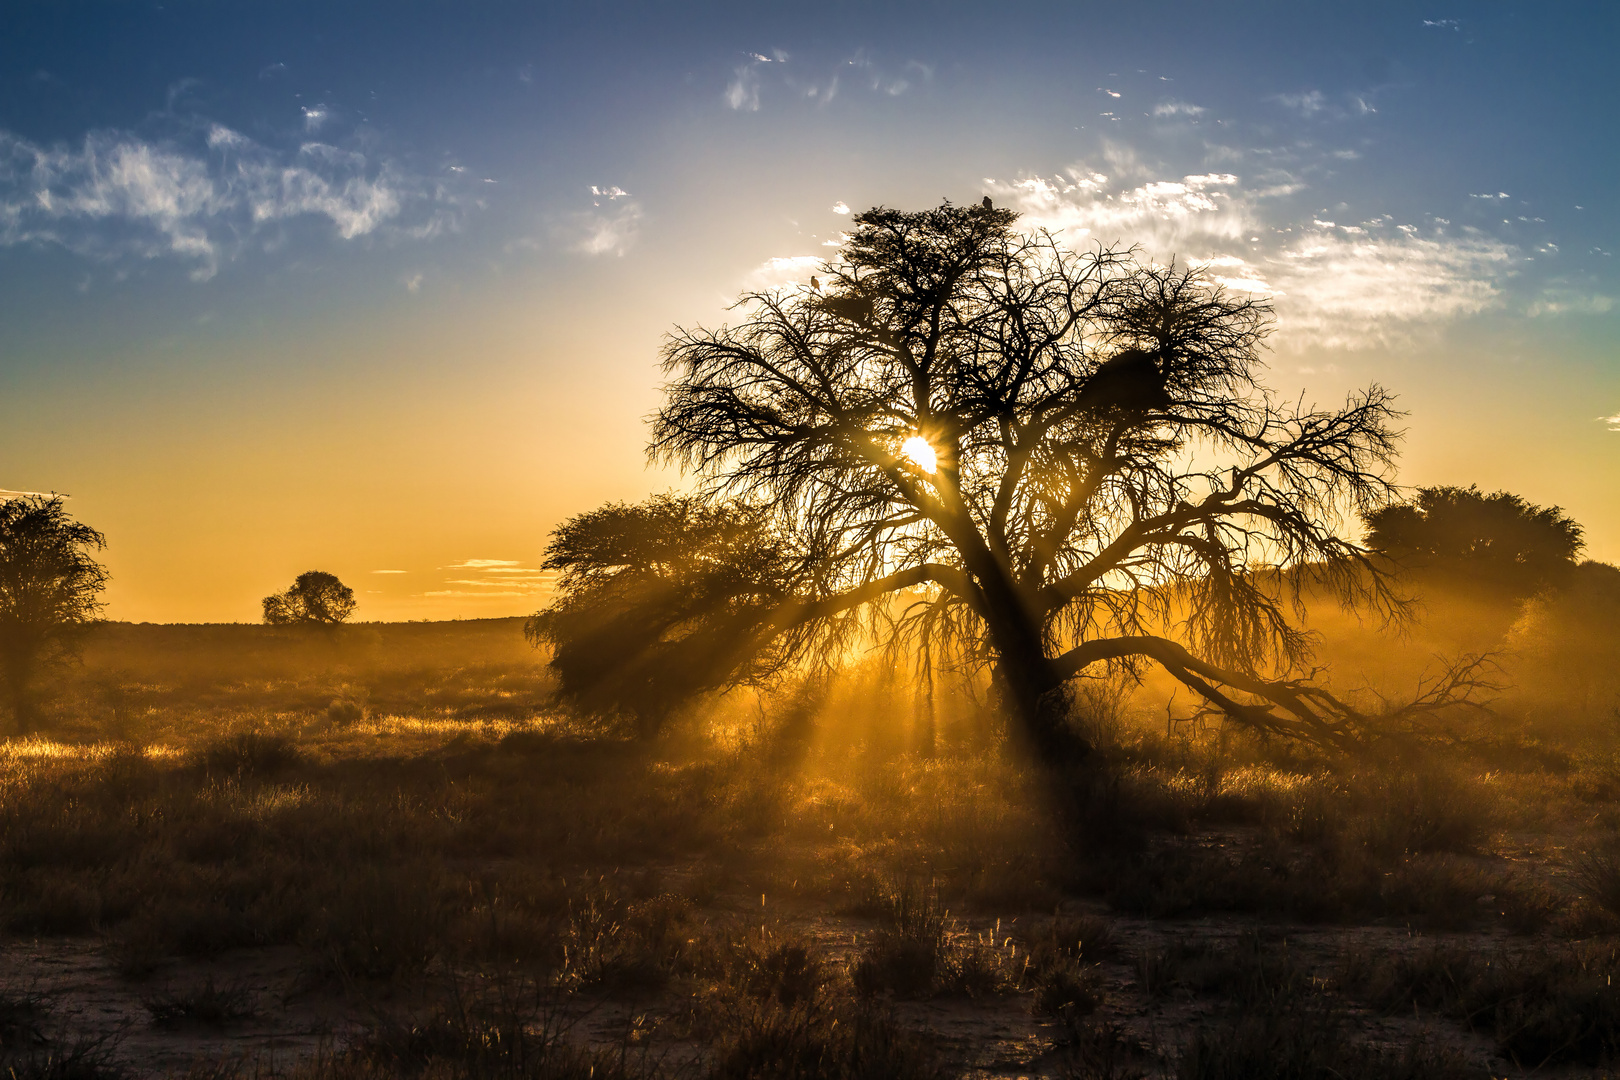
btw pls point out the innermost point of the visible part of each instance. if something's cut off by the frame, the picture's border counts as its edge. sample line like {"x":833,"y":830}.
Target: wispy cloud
{"x":119,"y":195}
{"x":482,"y":564}
{"x":1347,"y":286}
{"x":1177,"y":108}
{"x":1194,"y":215}
{"x":464,"y":594}
{"x":6,"y":493}
{"x":762,"y":80}
{"x":742,"y":92}
{"x":1352,"y":286}
{"x":1306,"y":104}
{"x":1612,"y":421}
{"x":775,"y":273}
{"x":607,"y":230}
{"x":390,"y":571}
{"x":1562,"y":300}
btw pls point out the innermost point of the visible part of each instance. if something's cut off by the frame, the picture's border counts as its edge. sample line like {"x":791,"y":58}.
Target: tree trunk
{"x":1031,"y":691}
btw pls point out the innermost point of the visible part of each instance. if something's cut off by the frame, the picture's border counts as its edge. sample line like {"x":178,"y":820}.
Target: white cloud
{"x":315,"y":117}
{"x":506,"y":584}
{"x":118,"y":195}
{"x":1612,"y":421}
{"x":609,"y":193}
{"x":1177,"y":108}
{"x":742,"y":93}
{"x":413,"y":283}
{"x":610,"y":230}
{"x":840,"y":207}
{"x":481,"y":564}
{"x":1349,"y":287}
{"x":775,"y":273}
{"x":1192,"y":216}
{"x":1334,"y":285}
{"x":1560,"y":300}
{"x":463,"y":594}
{"x":1307,"y":104}
{"x":390,"y":571}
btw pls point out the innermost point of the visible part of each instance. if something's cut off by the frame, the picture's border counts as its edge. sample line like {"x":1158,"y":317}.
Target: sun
{"x":921,"y":453}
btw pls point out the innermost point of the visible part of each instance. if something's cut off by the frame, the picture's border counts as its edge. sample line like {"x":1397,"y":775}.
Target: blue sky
{"x":381,"y":287}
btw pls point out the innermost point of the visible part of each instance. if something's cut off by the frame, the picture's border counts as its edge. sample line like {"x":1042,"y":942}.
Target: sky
{"x":379,"y":288}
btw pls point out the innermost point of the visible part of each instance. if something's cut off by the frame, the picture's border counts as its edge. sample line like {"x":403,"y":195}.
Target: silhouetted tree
{"x":1041,"y":460}
{"x":49,"y":584}
{"x":662,"y":601}
{"x":315,"y":599}
{"x":1498,"y":538}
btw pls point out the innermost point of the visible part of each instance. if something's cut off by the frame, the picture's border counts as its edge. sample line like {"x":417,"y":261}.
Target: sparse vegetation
{"x":785,"y":886}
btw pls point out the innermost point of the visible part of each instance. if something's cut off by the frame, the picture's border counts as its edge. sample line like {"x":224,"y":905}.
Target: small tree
{"x":49,"y":585}
{"x":315,"y":599}
{"x":662,"y":601}
{"x":1499,"y":539}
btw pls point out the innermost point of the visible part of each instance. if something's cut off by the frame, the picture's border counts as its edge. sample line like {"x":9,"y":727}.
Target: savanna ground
{"x":247,"y":851}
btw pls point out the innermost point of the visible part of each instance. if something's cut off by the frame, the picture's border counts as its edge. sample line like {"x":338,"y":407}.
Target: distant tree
{"x":982,"y":442}
{"x":1498,"y":538}
{"x":49,"y":585}
{"x":315,"y":599}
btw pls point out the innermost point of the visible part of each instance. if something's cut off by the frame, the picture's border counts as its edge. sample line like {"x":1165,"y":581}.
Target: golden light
{"x":921,"y":453}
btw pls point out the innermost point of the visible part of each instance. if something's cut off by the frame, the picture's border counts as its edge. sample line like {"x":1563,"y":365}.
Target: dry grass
{"x":776,"y":891}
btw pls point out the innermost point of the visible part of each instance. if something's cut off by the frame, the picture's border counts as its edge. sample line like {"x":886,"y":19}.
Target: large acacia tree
{"x":1036,"y":459}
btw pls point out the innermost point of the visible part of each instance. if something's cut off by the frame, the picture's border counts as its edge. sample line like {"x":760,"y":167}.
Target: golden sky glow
{"x":395,"y":311}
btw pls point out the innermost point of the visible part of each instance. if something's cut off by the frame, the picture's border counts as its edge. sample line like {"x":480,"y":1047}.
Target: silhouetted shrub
{"x":209,"y":1005}
{"x":252,"y":753}
{"x":853,"y":1041}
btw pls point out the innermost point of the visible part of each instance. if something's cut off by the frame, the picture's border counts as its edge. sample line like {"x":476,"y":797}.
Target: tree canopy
{"x":1011,"y":454}
{"x":50,"y":584}
{"x":1499,"y":538}
{"x":316,"y":598}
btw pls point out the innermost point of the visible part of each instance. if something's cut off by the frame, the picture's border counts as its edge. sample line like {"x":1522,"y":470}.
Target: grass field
{"x":375,"y":852}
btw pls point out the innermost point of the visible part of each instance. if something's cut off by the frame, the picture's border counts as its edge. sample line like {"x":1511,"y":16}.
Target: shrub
{"x":210,"y":1005}
{"x":382,"y":923}
{"x":252,"y":753}
{"x":853,"y":1041}
{"x":903,"y":956}
{"x":1543,"y":1007}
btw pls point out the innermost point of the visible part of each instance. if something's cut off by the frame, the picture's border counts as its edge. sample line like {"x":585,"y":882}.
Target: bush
{"x":252,"y":753}
{"x":903,"y":956}
{"x":1544,"y":1007}
{"x":210,"y":1005}
{"x":853,"y":1041}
